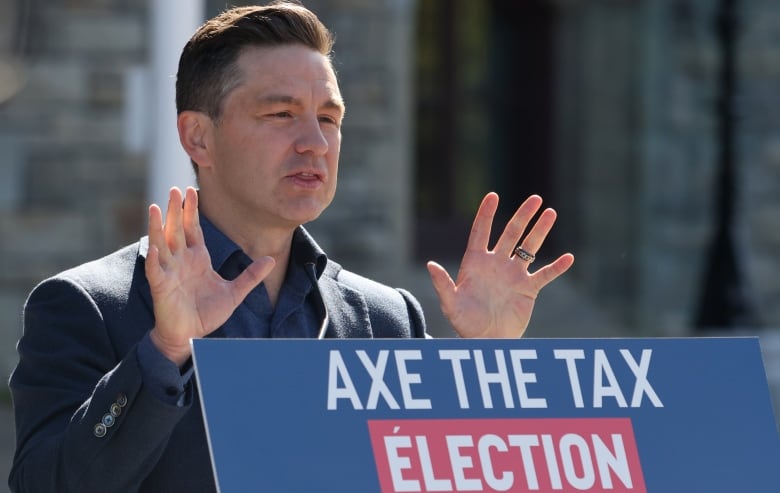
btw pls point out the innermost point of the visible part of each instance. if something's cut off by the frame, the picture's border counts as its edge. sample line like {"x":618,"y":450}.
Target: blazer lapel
{"x":140,"y":281}
{"x":347,"y":310}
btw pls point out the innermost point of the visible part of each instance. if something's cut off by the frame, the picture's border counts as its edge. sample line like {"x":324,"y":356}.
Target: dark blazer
{"x":78,"y":373}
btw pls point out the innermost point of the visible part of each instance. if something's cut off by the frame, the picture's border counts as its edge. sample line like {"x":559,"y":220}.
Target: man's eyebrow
{"x":279,"y":98}
{"x":331,"y":103}
{"x":335,"y":104}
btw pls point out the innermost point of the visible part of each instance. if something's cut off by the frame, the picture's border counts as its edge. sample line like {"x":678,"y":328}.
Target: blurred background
{"x":651,"y":126}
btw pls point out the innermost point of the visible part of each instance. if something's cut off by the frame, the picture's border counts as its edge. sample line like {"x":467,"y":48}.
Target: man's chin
{"x":305,"y":216}
{"x":306,"y":211}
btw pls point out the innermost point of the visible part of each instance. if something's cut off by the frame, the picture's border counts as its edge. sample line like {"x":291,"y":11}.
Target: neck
{"x":257,"y":241}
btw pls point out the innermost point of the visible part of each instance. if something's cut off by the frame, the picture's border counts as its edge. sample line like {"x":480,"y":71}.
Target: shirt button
{"x":108,"y":420}
{"x":121,"y":399}
{"x":100,"y":430}
{"x":116,"y":409}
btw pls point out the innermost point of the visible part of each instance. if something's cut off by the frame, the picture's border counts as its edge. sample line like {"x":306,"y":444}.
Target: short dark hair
{"x":208,"y":69}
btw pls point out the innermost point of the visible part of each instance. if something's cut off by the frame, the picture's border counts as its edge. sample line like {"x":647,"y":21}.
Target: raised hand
{"x":191,"y":300}
{"x":494,"y":293}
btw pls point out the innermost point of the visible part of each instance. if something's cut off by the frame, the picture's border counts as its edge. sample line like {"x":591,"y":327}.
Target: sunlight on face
{"x":275,"y":149}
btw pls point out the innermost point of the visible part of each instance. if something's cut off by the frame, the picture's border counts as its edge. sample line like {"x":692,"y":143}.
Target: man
{"x":103,"y":392}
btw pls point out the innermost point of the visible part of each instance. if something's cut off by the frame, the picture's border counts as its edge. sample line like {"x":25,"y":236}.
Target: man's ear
{"x":194,"y":128}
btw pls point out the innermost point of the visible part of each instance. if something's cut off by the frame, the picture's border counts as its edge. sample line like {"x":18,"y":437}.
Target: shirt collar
{"x":304,"y":248}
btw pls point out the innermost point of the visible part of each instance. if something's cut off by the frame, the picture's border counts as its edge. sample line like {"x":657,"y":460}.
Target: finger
{"x":517,"y":225}
{"x":534,"y":240}
{"x":483,"y":221}
{"x":550,"y":272}
{"x":153,"y":270}
{"x":156,"y":235}
{"x":174,"y":232}
{"x":193,"y":234}
{"x":442,"y":284}
{"x":251,"y":277}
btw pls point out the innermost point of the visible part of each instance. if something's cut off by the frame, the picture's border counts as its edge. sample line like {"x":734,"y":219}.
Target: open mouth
{"x":306,"y":180}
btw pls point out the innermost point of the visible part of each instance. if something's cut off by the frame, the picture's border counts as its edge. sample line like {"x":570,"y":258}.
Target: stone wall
{"x":638,"y":151}
{"x":596,"y":148}
{"x":760,"y":153}
{"x":635,"y":148}
{"x":680,"y":153}
{"x":68,"y":192}
{"x":677,"y":160}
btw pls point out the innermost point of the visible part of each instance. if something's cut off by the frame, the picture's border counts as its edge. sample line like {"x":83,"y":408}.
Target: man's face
{"x":274,"y":152}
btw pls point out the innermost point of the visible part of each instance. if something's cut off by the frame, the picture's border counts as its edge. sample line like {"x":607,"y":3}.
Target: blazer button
{"x":116,"y":409}
{"x":121,"y":399}
{"x":100,"y":430}
{"x":108,"y":420}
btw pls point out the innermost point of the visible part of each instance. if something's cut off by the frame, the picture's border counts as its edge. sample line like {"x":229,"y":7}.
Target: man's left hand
{"x":494,"y":293}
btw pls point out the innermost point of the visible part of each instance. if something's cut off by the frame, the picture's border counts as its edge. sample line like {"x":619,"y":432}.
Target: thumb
{"x":251,"y":277}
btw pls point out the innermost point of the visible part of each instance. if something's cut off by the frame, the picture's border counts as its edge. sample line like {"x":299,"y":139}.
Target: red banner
{"x":495,"y":455}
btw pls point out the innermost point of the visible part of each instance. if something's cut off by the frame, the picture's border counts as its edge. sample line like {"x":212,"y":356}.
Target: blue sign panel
{"x":536,"y":415}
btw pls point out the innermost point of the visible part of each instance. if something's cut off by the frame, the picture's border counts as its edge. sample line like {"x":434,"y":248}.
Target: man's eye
{"x":328,"y":119}
{"x":281,"y":114}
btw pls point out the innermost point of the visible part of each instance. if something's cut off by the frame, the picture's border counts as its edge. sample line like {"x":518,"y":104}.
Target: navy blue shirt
{"x":295,"y":315}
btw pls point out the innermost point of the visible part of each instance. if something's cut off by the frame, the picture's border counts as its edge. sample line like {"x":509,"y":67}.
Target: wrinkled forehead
{"x":288,"y":71}
{"x":288,"y":65}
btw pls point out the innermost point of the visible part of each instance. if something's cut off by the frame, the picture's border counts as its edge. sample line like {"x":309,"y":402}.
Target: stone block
{"x":11,"y":174}
{"x":76,"y":179}
{"x":763,"y":223}
{"x":55,"y":81}
{"x":771,"y":151}
{"x":95,"y":34}
{"x":82,"y":128}
{"x":106,"y":87}
{"x":351,"y":5}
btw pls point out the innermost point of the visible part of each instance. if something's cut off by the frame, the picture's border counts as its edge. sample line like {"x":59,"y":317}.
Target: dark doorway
{"x":485,"y":74}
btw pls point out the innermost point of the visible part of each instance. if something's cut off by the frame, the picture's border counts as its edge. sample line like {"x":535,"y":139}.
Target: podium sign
{"x":527,"y":415}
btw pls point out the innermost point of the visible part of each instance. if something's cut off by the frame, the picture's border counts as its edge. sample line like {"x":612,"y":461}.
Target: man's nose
{"x":311,"y":138}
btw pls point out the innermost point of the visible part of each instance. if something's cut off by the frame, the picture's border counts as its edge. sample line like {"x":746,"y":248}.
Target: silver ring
{"x":528,"y":257}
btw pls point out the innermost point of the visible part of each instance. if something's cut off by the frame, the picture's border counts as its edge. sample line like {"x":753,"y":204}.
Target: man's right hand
{"x":191,"y":300}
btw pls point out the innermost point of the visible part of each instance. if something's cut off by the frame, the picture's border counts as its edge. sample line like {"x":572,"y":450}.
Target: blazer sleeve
{"x":84,"y":420}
